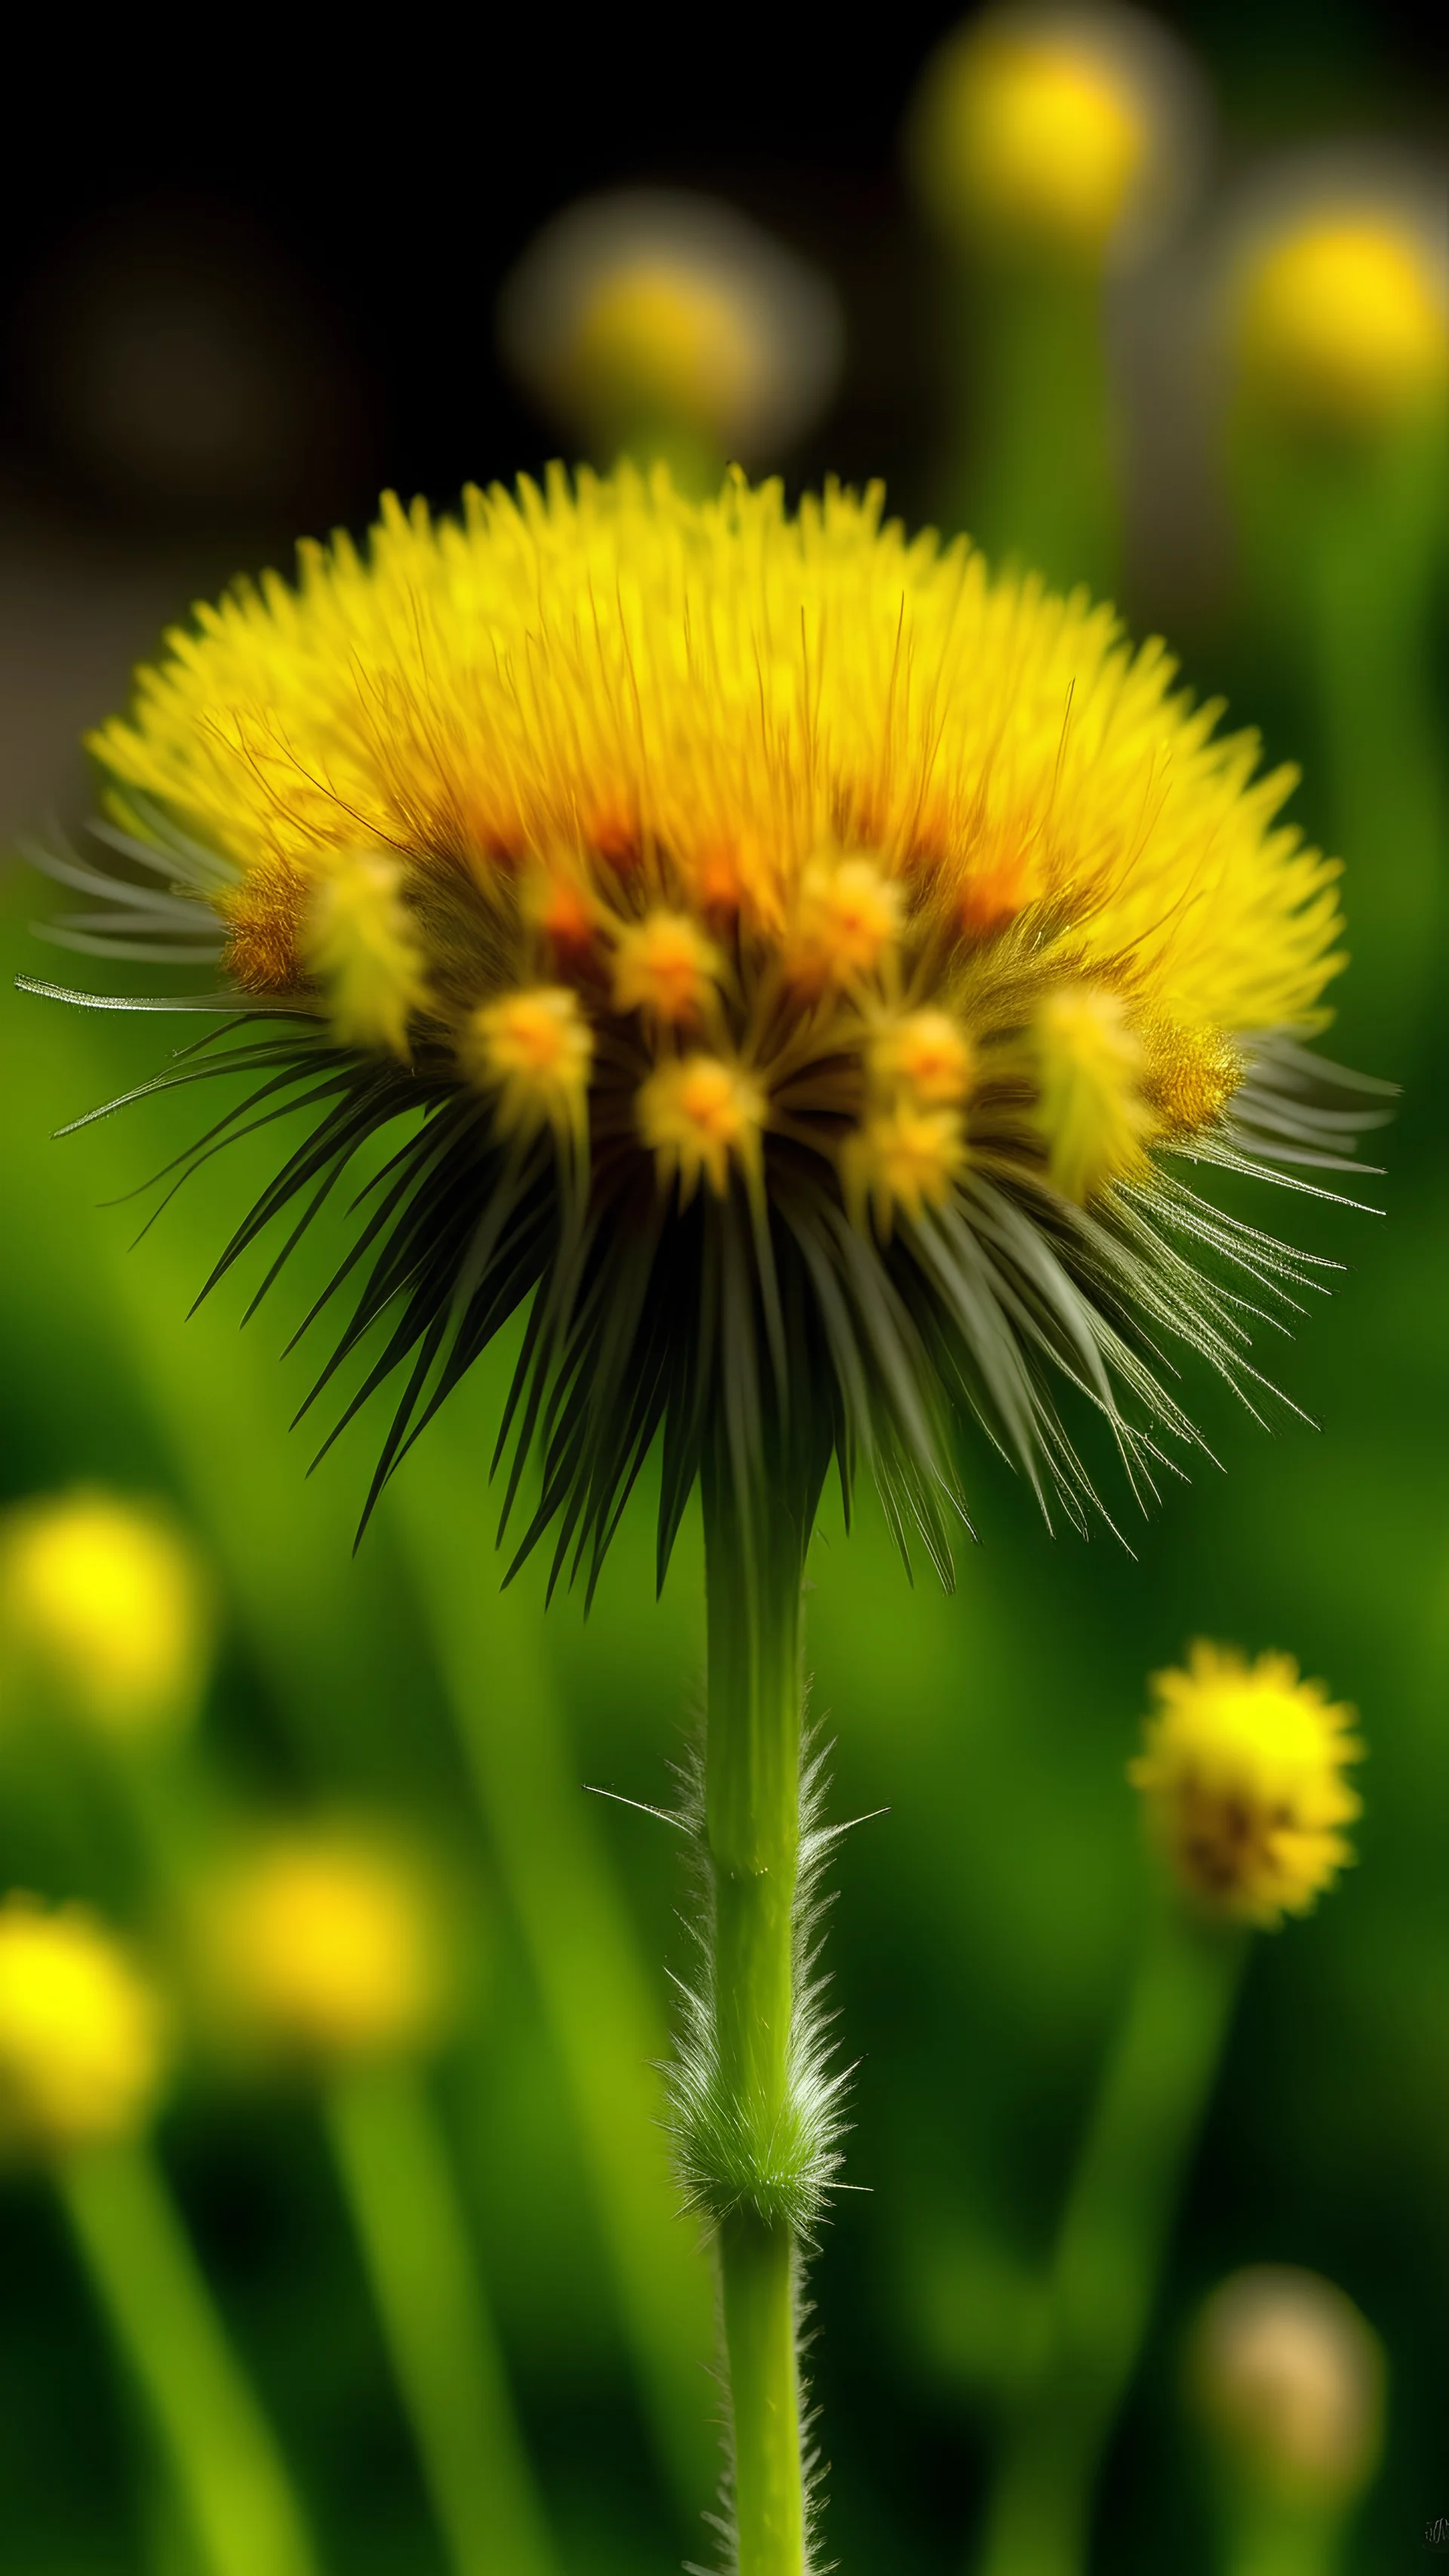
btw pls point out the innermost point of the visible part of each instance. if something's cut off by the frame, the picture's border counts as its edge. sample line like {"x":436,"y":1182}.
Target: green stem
{"x":754,"y":1571}
{"x":580,"y":1942}
{"x":160,"y":2312}
{"x":1265,"y":2539}
{"x":1037,"y":481}
{"x":1110,"y":2245}
{"x":400,"y":2189}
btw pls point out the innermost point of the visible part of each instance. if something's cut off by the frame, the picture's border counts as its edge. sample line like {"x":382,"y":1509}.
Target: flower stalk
{"x":160,"y":2312}
{"x":1110,"y":2243}
{"x":754,"y":1574}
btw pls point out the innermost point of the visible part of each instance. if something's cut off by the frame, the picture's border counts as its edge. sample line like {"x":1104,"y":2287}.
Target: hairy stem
{"x":754,"y":1569}
{"x":396,"y":2176}
{"x":239,"y":2500}
{"x":1110,"y":2245}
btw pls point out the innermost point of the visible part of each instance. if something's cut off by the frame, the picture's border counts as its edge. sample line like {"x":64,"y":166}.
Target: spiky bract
{"x":785,"y":953}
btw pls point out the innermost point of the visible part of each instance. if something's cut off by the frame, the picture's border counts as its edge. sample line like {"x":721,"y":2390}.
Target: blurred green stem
{"x":580,"y":1942}
{"x":245,"y":2515}
{"x":1344,"y":560}
{"x":1110,"y":2245}
{"x":395,"y":2173}
{"x":1266,"y":2539}
{"x":754,"y":1575}
{"x":1036,"y":480}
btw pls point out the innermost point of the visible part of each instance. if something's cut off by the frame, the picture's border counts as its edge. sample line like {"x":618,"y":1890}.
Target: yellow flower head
{"x":653,"y":307}
{"x":796,"y":938}
{"x":1288,"y":2378}
{"x":105,"y":1610}
{"x":1050,"y":132}
{"x":1242,"y":1779}
{"x":1343,"y":318}
{"x":325,"y":1947}
{"x":82,"y":2033}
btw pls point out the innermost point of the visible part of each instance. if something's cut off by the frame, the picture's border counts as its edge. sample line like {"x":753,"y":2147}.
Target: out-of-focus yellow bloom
{"x":1343,"y":319}
{"x":701,"y":1118}
{"x":1288,"y":2377}
{"x":1092,"y":1110}
{"x":1049,"y":132}
{"x":358,"y":940}
{"x":1242,"y":1780}
{"x":82,"y":2033}
{"x":105,"y":1609}
{"x":533,"y":1049}
{"x":649,"y":308}
{"x":324,"y":1946}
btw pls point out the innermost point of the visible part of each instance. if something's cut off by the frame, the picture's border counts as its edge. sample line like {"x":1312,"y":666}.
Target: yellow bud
{"x":359,"y":940}
{"x":1288,"y":2377}
{"x":104,"y":1609}
{"x":654,"y":309}
{"x":1091,"y":1110}
{"x":1242,"y":1782}
{"x":700,"y":1116}
{"x":1031,"y":136}
{"x":846,"y":925}
{"x":534,"y":1048}
{"x":323,"y":1946}
{"x":666,"y":967}
{"x":927,"y":1055}
{"x":1343,"y":321}
{"x":82,"y":2033}
{"x":902,"y":1162}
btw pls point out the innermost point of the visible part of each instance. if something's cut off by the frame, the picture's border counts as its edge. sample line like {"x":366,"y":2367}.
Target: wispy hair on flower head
{"x":799,"y":963}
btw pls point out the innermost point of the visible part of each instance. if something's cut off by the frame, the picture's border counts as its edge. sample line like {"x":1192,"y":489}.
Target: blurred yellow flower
{"x":653,"y":308}
{"x":357,"y":939}
{"x":1053,"y":132}
{"x":1343,"y":319}
{"x":324,"y":1946}
{"x":1288,"y":2377}
{"x":104,"y":1607}
{"x":82,"y":2033}
{"x":1242,"y":1782}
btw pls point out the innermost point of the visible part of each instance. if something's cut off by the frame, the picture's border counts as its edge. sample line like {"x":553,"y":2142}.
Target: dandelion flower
{"x":1341,"y":315}
{"x":103,"y":1605}
{"x":82,"y":2033}
{"x":1242,"y":1778}
{"x":1062,"y":134}
{"x":323,"y":1947}
{"x":795,"y":954}
{"x":796,"y":969}
{"x":653,"y":310}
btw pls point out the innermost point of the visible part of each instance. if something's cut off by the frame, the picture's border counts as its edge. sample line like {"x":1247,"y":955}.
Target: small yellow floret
{"x":660,"y":338}
{"x":358,"y":939}
{"x":927,"y":1055}
{"x":698,"y":1117}
{"x":104,"y":1606}
{"x":534,"y":1049}
{"x":82,"y":2044}
{"x":1344,"y":323}
{"x":1289,"y":2376}
{"x":902,"y":1162}
{"x":323,"y":1946}
{"x":847,"y":921}
{"x":1242,"y":1779}
{"x":665,"y":966}
{"x":1030,"y":140}
{"x":1091,"y":1110}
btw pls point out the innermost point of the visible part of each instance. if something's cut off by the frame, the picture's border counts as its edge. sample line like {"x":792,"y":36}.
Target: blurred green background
{"x":329,"y":241}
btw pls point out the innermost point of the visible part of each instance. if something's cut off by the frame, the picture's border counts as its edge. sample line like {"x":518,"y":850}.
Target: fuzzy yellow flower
{"x":103,"y":1606}
{"x":323,"y":1946}
{"x":1343,"y":318}
{"x":1242,"y":1779}
{"x":82,"y":2033}
{"x":1288,"y":2377}
{"x":764,"y":929}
